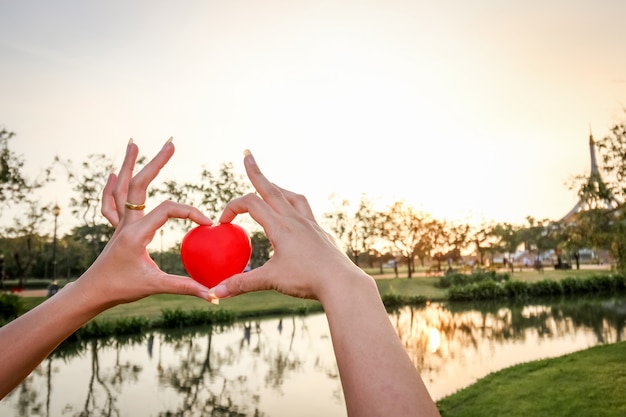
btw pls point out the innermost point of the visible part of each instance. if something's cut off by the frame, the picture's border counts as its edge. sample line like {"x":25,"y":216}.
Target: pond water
{"x":285,"y":366}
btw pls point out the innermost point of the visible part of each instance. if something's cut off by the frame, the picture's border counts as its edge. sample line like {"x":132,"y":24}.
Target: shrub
{"x":455,"y":278}
{"x":545,"y":288}
{"x":392,"y":301}
{"x":11,"y":306}
{"x":107,"y":328}
{"x":178,"y":319}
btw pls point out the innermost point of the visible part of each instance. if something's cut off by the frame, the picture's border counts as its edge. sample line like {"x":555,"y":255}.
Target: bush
{"x":392,"y":301}
{"x":178,"y":319}
{"x":520,"y":290}
{"x":11,"y":306}
{"x":456,"y":278}
{"x":107,"y":328}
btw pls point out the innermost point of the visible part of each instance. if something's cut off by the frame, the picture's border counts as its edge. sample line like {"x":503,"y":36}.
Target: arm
{"x":377,"y":375}
{"x":122,"y":273}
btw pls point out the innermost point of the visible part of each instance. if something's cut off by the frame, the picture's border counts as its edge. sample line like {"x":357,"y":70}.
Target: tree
{"x":480,"y":236}
{"x":28,"y":245}
{"x":358,"y":230}
{"x":608,"y":225}
{"x":408,"y":230}
{"x":508,"y":237}
{"x":210,"y":195}
{"x":87,"y":182}
{"x":539,"y":236}
{"x":261,"y":249}
{"x":28,"y":212}
{"x":12,"y":183}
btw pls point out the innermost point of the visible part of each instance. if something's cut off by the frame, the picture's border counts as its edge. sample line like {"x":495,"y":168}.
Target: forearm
{"x":377,"y":375}
{"x":29,"y":339}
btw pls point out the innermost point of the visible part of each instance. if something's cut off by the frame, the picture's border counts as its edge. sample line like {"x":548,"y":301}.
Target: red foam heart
{"x":210,"y":254}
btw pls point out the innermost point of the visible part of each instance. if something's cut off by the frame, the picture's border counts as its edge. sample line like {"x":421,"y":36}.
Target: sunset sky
{"x":465,"y":109}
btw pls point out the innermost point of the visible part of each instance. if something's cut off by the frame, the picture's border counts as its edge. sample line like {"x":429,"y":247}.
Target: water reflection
{"x":285,"y":366}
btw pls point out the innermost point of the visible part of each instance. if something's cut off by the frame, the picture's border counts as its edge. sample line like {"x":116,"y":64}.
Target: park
{"x":497,"y":312}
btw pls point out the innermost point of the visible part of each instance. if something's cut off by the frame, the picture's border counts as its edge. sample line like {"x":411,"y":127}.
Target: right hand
{"x":306,"y":263}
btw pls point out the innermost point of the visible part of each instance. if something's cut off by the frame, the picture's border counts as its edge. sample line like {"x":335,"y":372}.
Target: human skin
{"x":122,"y":273}
{"x":377,"y":375}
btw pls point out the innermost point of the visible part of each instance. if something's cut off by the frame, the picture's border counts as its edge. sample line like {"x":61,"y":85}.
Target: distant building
{"x":594,"y":183}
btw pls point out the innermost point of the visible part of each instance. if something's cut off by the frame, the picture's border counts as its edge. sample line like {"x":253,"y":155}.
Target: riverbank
{"x":588,"y":383}
{"x":268,"y":303}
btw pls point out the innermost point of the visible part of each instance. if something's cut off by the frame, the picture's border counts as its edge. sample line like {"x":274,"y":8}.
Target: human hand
{"x":306,"y":263}
{"x":124,"y":271}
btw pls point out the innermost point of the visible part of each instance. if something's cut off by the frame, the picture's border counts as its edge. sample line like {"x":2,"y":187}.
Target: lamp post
{"x":161,"y":253}
{"x":56,"y":210}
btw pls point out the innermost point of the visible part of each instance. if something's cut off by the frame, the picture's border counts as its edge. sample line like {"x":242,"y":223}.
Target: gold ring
{"x":131,"y":206}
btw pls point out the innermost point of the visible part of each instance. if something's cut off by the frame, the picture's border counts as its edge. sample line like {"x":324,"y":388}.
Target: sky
{"x":476,"y":110}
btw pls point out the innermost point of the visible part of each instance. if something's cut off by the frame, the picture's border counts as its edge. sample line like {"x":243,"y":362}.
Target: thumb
{"x":240,"y":284}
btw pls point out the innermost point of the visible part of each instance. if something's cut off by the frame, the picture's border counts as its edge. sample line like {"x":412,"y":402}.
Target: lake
{"x":286,"y":367}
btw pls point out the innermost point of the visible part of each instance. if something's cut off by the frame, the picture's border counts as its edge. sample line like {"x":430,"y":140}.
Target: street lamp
{"x":56,"y":210}
{"x":161,"y":253}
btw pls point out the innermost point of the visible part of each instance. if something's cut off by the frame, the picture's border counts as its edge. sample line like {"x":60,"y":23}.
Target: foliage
{"x":357,"y":231}
{"x":393,"y":301}
{"x":456,"y":278}
{"x":410,"y":232}
{"x":11,"y":306}
{"x":12,"y":182}
{"x":87,"y":183}
{"x":178,"y":318}
{"x":261,"y":249}
{"x":106,"y":328}
{"x":519,"y":290}
{"x":210,"y":194}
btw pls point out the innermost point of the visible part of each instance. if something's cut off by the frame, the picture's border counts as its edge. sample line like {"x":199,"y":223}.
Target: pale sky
{"x":465,"y":109}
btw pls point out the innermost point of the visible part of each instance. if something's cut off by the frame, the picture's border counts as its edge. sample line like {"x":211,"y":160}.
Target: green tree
{"x":608,"y":225}
{"x":358,"y":230}
{"x":87,"y":182}
{"x":261,"y":249}
{"x":13,"y":186}
{"x":210,"y":195}
{"x":508,"y":237}
{"x":479,"y":236}
{"x":29,"y":214}
{"x":408,"y":230}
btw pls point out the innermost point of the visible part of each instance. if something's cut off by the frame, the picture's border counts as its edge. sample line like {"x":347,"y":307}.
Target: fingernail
{"x":221,"y":291}
{"x":248,"y":155}
{"x":130,"y":141}
{"x":170,"y":140}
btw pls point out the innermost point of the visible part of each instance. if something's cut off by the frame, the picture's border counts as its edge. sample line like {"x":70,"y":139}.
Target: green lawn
{"x":589,"y":383}
{"x":270,"y":303}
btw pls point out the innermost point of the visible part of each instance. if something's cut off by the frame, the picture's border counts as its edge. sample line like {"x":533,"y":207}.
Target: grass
{"x":267,"y":303}
{"x":586,"y":383}
{"x":263,"y":303}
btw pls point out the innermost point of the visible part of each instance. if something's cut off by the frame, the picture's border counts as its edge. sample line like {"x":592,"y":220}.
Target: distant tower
{"x":594,"y":183}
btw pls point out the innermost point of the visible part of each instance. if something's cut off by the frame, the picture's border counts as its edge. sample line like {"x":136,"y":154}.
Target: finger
{"x":109,"y":208}
{"x":137,"y":190}
{"x":267,"y":190}
{"x":155,"y":219}
{"x":252,"y":204}
{"x":299,"y":202}
{"x":120,"y":191}
{"x":238,"y":284}
{"x":258,"y":279}
{"x":175,"y":284}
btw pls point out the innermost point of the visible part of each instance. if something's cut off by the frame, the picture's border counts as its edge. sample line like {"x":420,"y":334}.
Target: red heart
{"x":211,"y":254}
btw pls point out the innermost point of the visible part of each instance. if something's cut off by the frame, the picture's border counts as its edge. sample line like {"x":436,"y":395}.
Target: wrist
{"x":352,"y":289}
